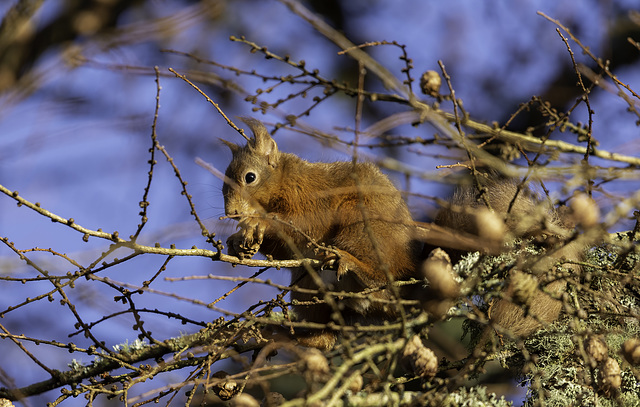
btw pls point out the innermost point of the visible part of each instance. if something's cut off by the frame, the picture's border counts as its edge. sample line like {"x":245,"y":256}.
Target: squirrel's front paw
{"x":246,"y":242}
{"x":239,"y":247}
{"x":339,"y":261}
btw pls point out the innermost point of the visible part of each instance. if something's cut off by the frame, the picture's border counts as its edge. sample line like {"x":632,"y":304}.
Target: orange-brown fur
{"x":351,"y":207}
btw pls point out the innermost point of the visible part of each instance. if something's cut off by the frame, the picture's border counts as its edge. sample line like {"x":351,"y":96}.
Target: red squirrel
{"x":353,"y":219}
{"x":287,"y":206}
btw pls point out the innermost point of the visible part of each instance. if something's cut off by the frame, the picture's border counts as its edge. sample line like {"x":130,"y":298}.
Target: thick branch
{"x":76,"y":375}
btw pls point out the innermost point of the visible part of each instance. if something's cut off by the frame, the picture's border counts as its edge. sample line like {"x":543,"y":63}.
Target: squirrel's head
{"x":251,"y":177}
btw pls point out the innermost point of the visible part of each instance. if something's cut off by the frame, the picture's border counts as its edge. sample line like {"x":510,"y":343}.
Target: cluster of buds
{"x":609,"y":374}
{"x":225,"y":388}
{"x":443,"y":287}
{"x":419,"y":359}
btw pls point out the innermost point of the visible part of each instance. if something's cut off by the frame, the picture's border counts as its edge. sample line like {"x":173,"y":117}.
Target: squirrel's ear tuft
{"x":262,"y":142}
{"x":232,"y":146}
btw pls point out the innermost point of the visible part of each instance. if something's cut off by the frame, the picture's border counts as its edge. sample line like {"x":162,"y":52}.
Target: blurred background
{"x":77,"y":99}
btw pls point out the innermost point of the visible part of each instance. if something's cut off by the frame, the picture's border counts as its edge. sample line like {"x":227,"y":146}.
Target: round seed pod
{"x":356,"y":384}
{"x":610,"y":377}
{"x":584,"y":210}
{"x":272,"y":399}
{"x":226,"y":388}
{"x":490,"y":225}
{"x":419,"y":359}
{"x":438,"y":271}
{"x":317,"y":366}
{"x":631,"y":350}
{"x":430,"y":83}
{"x":244,"y":400}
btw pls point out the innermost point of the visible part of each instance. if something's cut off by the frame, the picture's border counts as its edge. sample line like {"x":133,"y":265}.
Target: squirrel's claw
{"x":246,"y":242}
{"x":239,"y":248}
{"x":340,"y":264}
{"x":329,"y":263}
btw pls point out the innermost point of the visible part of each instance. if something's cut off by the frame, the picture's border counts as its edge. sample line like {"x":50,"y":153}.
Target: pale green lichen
{"x":564,"y":377}
{"x":603,"y":300}
{"x":130,"y":347}
{"x":474,"y":397}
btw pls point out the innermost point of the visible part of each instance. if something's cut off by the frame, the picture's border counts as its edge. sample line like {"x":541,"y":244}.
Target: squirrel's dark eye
{"x":249,"y":177}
